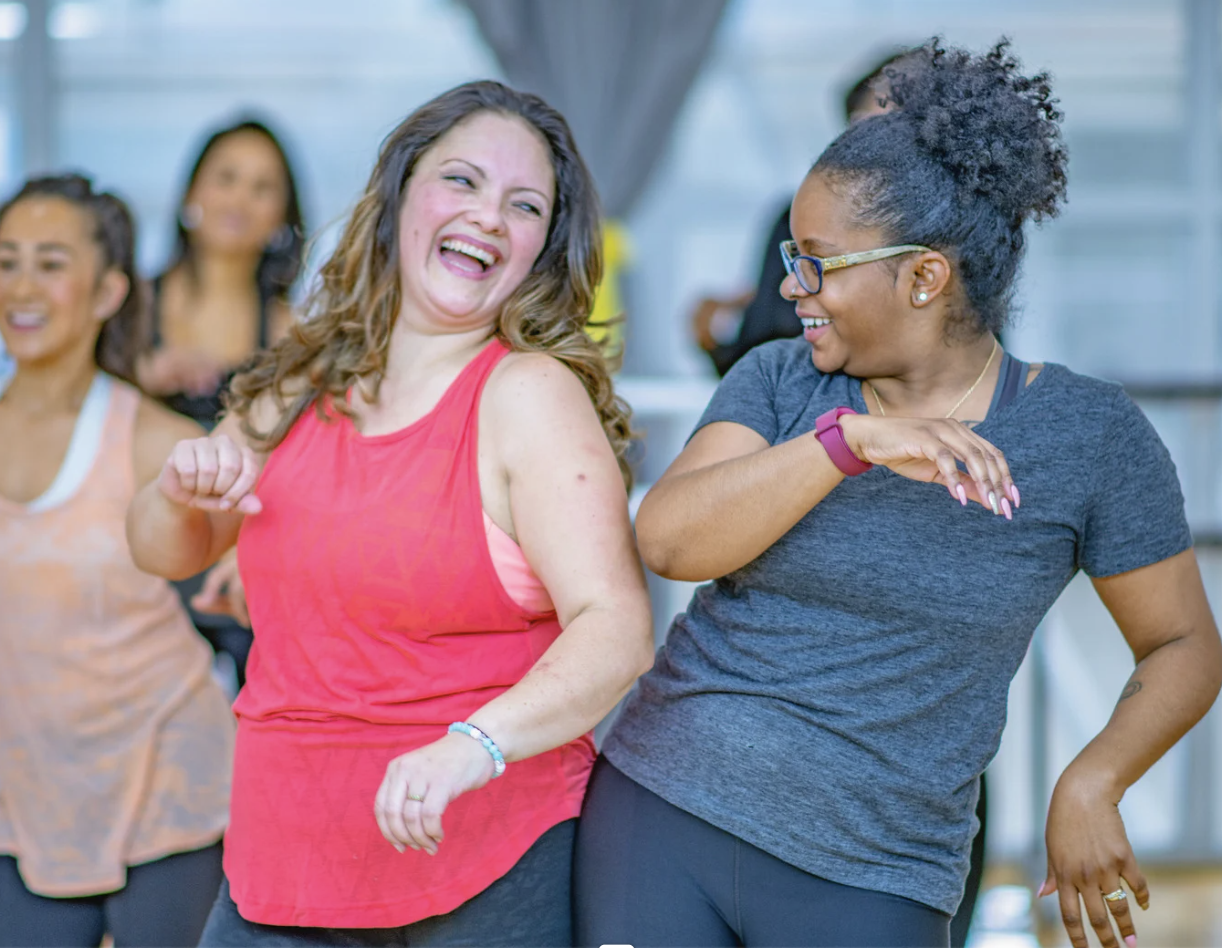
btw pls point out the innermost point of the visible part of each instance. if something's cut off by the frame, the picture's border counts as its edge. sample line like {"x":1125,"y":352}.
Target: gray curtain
{"x":618,"y":70}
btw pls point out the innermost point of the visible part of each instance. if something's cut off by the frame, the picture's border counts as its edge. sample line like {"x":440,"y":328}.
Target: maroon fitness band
{"x":831,"y":436}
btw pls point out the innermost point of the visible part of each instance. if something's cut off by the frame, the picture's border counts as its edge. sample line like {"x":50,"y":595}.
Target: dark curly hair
{"x":125,"y":334}
{"x":972,"y":152}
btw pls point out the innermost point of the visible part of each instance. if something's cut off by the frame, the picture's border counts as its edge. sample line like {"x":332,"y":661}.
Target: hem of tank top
{"x":331,"y":917}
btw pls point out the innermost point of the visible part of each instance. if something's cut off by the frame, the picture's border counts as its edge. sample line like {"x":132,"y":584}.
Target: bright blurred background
{"x":1126,"y":284}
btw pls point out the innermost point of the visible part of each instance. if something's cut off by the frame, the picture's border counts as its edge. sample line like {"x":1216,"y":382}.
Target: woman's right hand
{"x":213,"y":473}
{"x":171,"y":369}
{"x":930,"y":450}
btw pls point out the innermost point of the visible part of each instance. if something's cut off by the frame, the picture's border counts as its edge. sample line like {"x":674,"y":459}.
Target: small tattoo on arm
{"x":1130,"y":689}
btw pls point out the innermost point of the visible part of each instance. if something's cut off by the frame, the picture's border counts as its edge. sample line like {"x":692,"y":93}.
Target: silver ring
{"x":1117,"y":896}
{"x":420,"y":799}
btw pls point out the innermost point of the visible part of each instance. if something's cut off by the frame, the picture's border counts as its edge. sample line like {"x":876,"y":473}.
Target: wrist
{"x":1084,"y":780}
{"x":467,"y":730}
{"x":832,"y":434}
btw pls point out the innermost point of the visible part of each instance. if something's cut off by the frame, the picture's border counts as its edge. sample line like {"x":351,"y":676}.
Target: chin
{"x":826,"y":362}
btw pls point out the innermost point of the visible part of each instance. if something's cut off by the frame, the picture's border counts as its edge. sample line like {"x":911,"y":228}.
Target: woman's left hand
{"x":1088,"y":857}
{"x":420,"y":784}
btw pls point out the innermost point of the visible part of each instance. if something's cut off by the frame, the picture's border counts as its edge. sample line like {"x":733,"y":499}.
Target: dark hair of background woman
{"x":282,"y":258}
{"x":124,"y":335}
{"x":973,"y":151}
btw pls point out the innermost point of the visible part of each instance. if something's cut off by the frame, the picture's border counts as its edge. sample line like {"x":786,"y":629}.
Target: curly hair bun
{"x":996,"y":131}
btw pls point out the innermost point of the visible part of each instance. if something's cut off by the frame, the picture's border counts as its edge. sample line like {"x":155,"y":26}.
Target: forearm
{"x":168,"y":539}
{"x":1170,"y":690}
{"x":575,"y":683}
{"x":703,"y":524}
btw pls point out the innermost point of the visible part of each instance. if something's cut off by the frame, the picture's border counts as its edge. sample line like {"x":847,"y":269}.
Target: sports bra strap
{"x":1011,"y":379}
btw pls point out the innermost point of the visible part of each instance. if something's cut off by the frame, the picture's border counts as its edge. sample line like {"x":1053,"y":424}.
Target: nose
{"x":487,"y":214}
{"x":791,"y":289}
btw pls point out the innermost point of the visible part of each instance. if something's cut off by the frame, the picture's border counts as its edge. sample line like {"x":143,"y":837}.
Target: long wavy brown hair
{"x":351,"y":313}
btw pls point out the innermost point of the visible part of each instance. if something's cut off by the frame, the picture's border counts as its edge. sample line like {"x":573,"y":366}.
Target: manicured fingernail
{"x":1005,"y":508}
{"x":993,"y":502}
{"x":399,"y":847}
{"x":1040,"y":892}
{"x":1131,"y":941}
{"x":962,"y":492}
{"x":1014,"y":493}
{"x":225,"y":505}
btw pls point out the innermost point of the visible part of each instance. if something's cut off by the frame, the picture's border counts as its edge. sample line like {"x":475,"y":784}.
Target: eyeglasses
{"x":809,"y":270}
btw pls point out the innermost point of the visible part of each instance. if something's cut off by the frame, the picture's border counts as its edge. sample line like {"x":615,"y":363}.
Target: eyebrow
{"x":818,"y":248}
{"x":483,"y":174}
{"x":48,"y":246}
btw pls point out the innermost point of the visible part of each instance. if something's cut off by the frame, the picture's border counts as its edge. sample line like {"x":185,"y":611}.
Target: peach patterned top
{"x":115,"y":742}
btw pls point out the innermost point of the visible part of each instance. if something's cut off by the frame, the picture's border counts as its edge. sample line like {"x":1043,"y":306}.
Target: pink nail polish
{"x":959,"y":489}
{"x":1005,"y":508}
{"x":1131,"y":941}
{"x":1040,"y":892}
{"x":1014,"y":491}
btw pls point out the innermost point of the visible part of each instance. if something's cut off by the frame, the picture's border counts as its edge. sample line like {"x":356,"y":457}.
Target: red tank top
{"x":379,"y":620}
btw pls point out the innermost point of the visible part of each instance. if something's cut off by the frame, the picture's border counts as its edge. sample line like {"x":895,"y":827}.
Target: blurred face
{"x":240,"y":195}
{"x":53,"y":295}
{"x":473,"y":222}
{"x":859,"y":315}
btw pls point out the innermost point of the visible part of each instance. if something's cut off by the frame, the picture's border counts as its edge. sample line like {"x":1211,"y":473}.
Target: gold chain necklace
{"x":878,"y":401}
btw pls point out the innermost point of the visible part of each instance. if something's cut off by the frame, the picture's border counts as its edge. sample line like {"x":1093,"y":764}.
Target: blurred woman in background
{"x":115,"y":743}
{"x":224,"y":296}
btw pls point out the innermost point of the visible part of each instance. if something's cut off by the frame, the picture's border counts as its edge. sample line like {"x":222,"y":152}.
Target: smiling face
{"x":241,"y":192}
{"x":54,"y":296}
{"x":473,"y":222}
{"x":862,"y":321}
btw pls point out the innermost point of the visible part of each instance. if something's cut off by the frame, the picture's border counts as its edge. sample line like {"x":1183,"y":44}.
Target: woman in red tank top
{"x":426,"y":486}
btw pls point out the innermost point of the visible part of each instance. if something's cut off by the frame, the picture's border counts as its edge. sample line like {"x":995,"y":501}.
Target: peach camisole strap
{"x":515,"y":574}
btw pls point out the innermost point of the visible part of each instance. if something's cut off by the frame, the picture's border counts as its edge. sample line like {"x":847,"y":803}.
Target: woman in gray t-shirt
{"x":800,"y":766}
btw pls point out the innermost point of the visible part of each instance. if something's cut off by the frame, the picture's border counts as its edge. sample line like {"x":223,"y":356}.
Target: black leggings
{"x":163,"y":905}
{"x":649,"y":874}
{"x":528,"y":906}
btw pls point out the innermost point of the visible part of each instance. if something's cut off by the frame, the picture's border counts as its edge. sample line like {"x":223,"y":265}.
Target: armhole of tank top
{"x":83,"y":447}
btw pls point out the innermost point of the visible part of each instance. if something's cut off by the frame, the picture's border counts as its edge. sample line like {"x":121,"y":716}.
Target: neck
{"x":52,"y":388}
{"x":415,"y":354}
{"x":931,"y":389}
{"x":218,"y":272}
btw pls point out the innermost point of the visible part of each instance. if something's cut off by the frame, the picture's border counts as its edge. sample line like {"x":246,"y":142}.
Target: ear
{"x":109,"y":296}
{"x":928,"y":276}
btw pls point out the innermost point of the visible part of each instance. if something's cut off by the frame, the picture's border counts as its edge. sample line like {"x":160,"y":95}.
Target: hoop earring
{"x":282,"y":239}
{"x":191,"y":216}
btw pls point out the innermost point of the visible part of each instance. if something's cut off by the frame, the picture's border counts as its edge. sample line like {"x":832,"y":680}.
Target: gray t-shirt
{"x":834,"y":701}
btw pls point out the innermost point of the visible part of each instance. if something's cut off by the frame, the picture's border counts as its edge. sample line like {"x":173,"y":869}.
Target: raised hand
{"x":212,"y":473}
{"x":931,"y":450}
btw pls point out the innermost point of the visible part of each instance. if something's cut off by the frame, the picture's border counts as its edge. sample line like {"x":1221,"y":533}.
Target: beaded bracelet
{"x":498,"y":759}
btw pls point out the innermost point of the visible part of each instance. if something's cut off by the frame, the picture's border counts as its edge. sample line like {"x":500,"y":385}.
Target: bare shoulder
{"x":157,"y":431}
{"x":537,"y":384}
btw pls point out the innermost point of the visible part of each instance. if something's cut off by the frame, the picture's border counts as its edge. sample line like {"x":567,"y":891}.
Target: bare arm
{"x":570,"y":516}
{"x":729,"y":496}
{"x":1165,"y":618}
{"x":569,"y":513}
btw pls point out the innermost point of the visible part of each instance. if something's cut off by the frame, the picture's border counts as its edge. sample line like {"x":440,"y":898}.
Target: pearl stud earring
{"x":922,"y":297}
